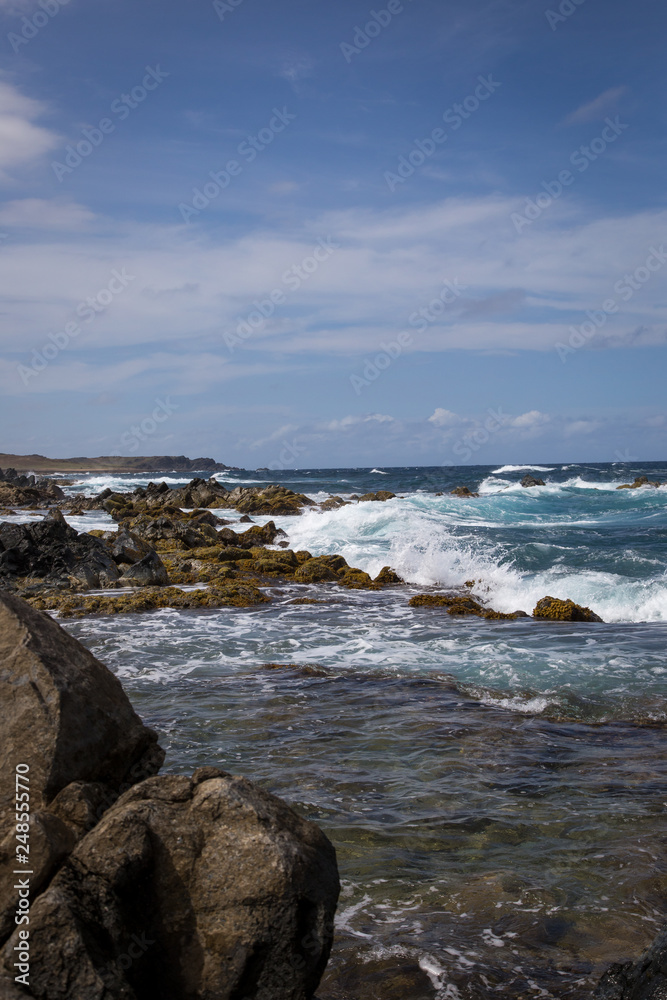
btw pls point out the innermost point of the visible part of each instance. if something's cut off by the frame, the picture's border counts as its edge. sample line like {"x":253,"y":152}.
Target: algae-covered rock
{"x":554,"y":609}
{"x":463,"y":491}
{"x":237,"y":595}
{"x":380,"y":497}
{"x":387,"y":577}
{"x":459,"y":606}
{"x":639,"y":481}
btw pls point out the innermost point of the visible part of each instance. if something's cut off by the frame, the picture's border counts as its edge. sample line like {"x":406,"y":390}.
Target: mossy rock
{"x":458,"y":606}
{"x":315,"y":571}
{"x":302,"y":556}
{"x":238,"y":595}
{"x":555,"y":610}
{"x":387,"y":577}
{"x":231,"y":553}
{"x":380,"y":497}
{"x":270,"y":567}
{"x":356,"y":579}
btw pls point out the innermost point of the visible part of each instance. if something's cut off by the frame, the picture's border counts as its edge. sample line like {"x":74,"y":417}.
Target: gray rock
{"x":66,"y":716}
{"x":148,"y":572}
{"x":205,"y":887}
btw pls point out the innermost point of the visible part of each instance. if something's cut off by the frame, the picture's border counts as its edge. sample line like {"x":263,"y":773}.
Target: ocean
{"x":495,"y":790}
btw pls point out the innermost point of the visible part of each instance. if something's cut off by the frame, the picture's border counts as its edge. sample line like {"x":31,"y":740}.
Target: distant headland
{"x":111,"y":463}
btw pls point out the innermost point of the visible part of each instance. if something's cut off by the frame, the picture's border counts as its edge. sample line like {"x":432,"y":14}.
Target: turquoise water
{"x":495,"y":790}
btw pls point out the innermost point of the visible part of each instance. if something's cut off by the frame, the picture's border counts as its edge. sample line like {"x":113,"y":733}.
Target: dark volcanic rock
{"x":126,"y":547}
{"x":215,"y":889}
{"x":67,"y":717}
{"x":55,"y":554}
{"x":645,"y":979}
{"x":148,"y":572}
{"x":532,"y":481}
{"x":554,"y":609}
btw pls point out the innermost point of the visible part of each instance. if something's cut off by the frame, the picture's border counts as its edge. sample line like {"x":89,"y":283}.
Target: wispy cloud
{"x":596,"y":109}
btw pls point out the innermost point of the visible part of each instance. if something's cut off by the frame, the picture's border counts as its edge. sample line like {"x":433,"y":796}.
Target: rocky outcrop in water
{"x":557,"y":610}
{"x":462,"y":491}
{"x":639,"y":481}
{"x":182,"y":888}
{"x":529,"y":481}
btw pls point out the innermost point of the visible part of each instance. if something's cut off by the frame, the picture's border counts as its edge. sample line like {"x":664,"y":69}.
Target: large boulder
{"x":66,"y":718}
{"x":529,"y":481}
{"x":645,"y":979}
{"x":204,"y":887}
{"x":53,"y":553}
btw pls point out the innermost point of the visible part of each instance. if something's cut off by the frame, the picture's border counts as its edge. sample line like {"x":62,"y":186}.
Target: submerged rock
{"x":554,"y":609}
{"x":457,"y":605}
{"x":645,"y":979}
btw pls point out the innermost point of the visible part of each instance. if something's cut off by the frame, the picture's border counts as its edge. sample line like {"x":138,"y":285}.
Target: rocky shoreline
{"x":105,"y":823}
{"x":160,"y":548}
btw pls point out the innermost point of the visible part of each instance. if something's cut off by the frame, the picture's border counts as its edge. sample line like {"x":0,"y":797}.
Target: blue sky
{"x":436,"y":228}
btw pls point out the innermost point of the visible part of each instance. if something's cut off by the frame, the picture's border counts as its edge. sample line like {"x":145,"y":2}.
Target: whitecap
{"x":521,"y":468}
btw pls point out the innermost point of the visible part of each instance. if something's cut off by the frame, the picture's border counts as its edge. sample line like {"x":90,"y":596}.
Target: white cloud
{"x":38,"y":213}
{"x":21,"y":141}
{"x":597,"y":108}
{"x":444,"y":418}
{"x":389,"y":265}
{"x":528,"y":420}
